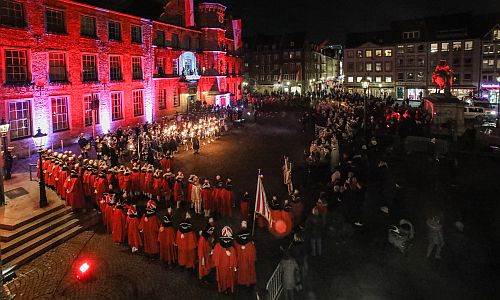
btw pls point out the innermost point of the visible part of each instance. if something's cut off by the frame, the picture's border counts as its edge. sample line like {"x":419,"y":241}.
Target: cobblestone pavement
{"x":118,"y":274}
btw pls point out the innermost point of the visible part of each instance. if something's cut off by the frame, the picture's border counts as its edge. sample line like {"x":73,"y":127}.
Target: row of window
{"x":490,"y":49}
{"x":19,"y":112}
{"x":369,"y":53}
{"x":286,"y":77}
{"x":266,"y":58}
{"x":266,"y":47}
{"x":369,"y":67}
{"x":378,"y":79}
{"x":490,"y":63}
{"x":455,"y":46}
{"x":17,"y":67}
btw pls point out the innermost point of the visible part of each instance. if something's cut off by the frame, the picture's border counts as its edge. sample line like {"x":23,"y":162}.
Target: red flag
{"x":261,"y":206}
{"x":189,"y":7}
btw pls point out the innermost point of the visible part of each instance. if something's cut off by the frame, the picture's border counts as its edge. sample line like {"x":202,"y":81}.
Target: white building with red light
{"x":58,"y":56}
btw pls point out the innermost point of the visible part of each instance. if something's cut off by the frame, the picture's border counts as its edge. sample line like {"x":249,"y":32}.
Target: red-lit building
{"x":57,"y":56}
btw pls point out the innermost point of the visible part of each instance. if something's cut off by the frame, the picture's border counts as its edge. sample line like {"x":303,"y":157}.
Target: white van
{"x":478,"y":113}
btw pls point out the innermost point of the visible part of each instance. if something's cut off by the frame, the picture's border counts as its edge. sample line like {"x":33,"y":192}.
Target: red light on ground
{"x":82,"y":270}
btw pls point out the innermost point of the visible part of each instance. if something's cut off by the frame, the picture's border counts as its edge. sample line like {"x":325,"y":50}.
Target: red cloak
{"x":207,"y":200}
{"x":205,"y":263}
{"x":226,"y":267}
{"x":178,"y":192}
{"x":119,"y":222}
{"x":75,"y":193}
{"x":186,"y":245}
{"x":134,"y":237}
{"x":150,"y":229}
{"x":166,"y":237}
{"x":246,"y":264}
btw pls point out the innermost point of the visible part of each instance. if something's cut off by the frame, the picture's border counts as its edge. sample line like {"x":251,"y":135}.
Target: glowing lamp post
{"x":365,"y":84}
{"x":498,"y":101}
{"x":4,"y":129}
{"x":39,"y":141}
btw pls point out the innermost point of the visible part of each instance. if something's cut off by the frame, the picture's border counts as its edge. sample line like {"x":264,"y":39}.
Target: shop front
{"x":491,"y":92}
{"x":411,"y":93}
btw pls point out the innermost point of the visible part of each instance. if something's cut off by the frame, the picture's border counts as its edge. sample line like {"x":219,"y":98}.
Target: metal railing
{"x":274,"y":286}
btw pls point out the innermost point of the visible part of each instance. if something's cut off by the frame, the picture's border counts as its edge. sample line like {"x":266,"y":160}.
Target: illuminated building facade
{"x":58,"y":56}
{"x":490,"y":65}
{"x":418,"y":46}
{"x":287,"y":63}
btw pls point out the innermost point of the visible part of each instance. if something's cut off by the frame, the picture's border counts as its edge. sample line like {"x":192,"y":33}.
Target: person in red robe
{"x":100,"y":186}
{"x":245,"y":206}
{"x":217,"y":193}
{"x":157,"y":186}
{"x":169,"y":181}
{"x":109,"y":210}
{"x":119,"y":221}
{"x":166,"y":238}
{"x":186,"y":243}
{"x":150,"y":227}
{"x":225,"y":261}
{"x":75,"y":191}
{"x":133,"y":235}
{"x":247,"y":256}
{"x":120,"y":177}
{"x":142,"y":180}
{"x":126,"y":181}
{"x":205,"y":264}
{"x":178,"y":189}
{"x":135,"y":181}
{"x":148,"y":182}
{"x":206,"y":197}
{"x":64,"y":175}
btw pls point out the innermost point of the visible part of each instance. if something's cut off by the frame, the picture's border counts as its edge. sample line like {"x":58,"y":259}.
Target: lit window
{"x":162,"y":99}
{"x":89,"y":67}
{"x":388,"y":52}
{"x":16,"y":66}
{"x":350,"y":79}
{"x":378,"y":79}
{"x":87,"y":26}
{"x":378,"y":67}
{"x":434,"y":47}
{"x":445,"y":47}
{"x":488,"y":49}
{"x":359,"y":54}
{"x":57,"y":67}
{"x":54,"y":21}
{"x":137,"y":97}
{"x":388,"y":79}
{"x":11,"y":13}
{"x":359,"y":78}
{"x":496,"y":35}
{"x":410,"y":76}
{"x":468,"y":45}
{"x":137,"y":68}
{"x":378,"y":52}
{"x":457,"y":46}
{"x":60,"y":119}
{"x":114,"y":31}
{"x":91,"y":107}
{"x":401,"y":49}
{"x":136,"y":32}
{"x":368,"y":53}
{"x":410,"y":48}
{"x":19,"y":119}
{"x":115,"y":68}
{"x":420,"y":75}
{"x":368,"y":67}
{"x":116,"y":106}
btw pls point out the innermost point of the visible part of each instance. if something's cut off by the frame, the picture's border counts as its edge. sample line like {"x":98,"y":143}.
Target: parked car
{"x":488,"y":107}
{"x":478,"y":113}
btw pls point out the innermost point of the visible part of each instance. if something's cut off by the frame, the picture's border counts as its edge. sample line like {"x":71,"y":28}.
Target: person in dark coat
{"x":314,"y":229}
{"x":196,"y":144}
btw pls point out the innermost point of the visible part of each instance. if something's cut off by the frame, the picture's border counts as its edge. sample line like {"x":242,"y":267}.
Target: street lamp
{"x":39,"y":140}
{"x":498,"y":101}
{"x":365,"y":84}
{"x":4,"y":128}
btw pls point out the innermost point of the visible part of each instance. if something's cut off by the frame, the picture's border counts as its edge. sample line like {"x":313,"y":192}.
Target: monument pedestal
{"x":447,"y":114}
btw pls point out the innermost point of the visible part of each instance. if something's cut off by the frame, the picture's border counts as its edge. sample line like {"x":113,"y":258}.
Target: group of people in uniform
{"x":149,"y":142}
{"x":115,"y":192}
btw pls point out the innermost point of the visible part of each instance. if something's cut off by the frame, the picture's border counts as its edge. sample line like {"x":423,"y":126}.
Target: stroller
{"x":402,"y":236}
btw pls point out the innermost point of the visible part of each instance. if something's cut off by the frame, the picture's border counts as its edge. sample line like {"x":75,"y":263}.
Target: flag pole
{"x":255,"y":204}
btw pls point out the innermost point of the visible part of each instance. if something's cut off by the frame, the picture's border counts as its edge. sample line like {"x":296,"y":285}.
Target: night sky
{"x":332,"y":19}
